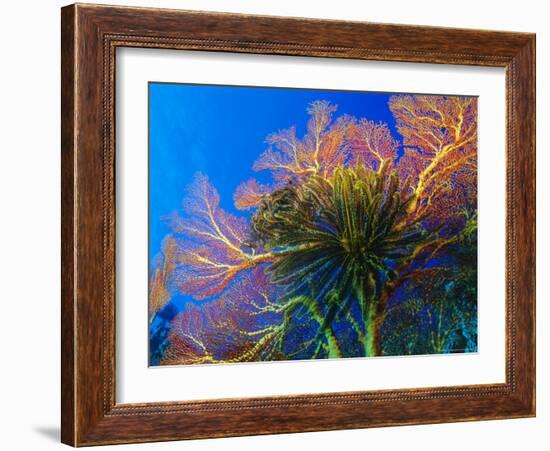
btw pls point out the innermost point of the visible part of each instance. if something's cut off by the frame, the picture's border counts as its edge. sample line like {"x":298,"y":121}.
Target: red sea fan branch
{"x":334,"y":147}
{"x":249,"y":194}
{"x":372,"y":144}
{"x":440,"y":135}
{"x":231,"y":328}
{"x":211,"y":248}
{"x":320,"y":151}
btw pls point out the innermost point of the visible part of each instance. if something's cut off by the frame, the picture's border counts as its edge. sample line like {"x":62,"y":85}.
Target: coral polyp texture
{"x":294,"y":224}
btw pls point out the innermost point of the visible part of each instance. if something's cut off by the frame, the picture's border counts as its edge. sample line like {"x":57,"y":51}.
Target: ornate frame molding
{"x":90,"y":36}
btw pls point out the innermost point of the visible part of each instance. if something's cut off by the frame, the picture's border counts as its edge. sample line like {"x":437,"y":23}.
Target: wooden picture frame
{"x":90,"y":36}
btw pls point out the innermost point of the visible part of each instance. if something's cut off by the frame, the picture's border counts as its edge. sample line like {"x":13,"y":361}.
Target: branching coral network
{"x":360,"y":246}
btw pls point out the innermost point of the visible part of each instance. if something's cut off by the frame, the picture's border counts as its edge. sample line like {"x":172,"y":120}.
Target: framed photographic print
{"x":279,"y":225}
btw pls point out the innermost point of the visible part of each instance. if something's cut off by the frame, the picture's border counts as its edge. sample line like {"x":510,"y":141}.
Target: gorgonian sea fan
{"x":211,"y":243}
{"x":372,"y":144}
{"x":243,"y":324}
{"x":320,"y":151}
{"x":249,"y":194}
{"x":440,"y":139}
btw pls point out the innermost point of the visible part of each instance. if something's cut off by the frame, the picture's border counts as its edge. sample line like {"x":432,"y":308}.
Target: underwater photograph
{"x":297,"y":224}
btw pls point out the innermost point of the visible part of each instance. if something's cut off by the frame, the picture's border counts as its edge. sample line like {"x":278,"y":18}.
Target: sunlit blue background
{"x":221,"y":131}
